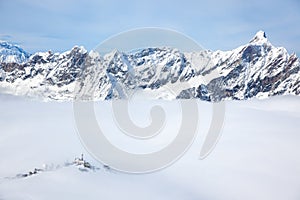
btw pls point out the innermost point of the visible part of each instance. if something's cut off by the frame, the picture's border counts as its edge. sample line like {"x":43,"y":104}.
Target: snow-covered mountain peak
{"x":11,"y":53}
{"x":114,"y":53}
{"x":75,"y":51}
{"x":79,"y":49}
{"x":259,"y":38}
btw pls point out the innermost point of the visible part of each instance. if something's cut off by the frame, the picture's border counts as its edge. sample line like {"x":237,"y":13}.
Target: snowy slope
{"x":11,"y":53}
{"x":257,"y":69}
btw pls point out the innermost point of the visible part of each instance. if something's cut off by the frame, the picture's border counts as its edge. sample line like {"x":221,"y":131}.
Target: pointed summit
{"x":260,"y":37}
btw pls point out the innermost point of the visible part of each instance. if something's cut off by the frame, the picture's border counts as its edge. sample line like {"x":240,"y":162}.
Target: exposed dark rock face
{"x":257,"y":69}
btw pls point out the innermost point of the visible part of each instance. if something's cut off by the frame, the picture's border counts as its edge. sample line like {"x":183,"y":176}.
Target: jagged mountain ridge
{"x":256,"y":69}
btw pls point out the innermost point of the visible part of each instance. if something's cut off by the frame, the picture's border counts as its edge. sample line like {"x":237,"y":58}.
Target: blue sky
{"x":60,"y":24}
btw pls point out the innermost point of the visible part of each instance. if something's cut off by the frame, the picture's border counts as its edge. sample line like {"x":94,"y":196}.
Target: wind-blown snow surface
{"x":257,"y":157}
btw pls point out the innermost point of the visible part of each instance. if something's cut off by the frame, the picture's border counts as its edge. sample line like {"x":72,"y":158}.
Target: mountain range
{"x":254,"y":70}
